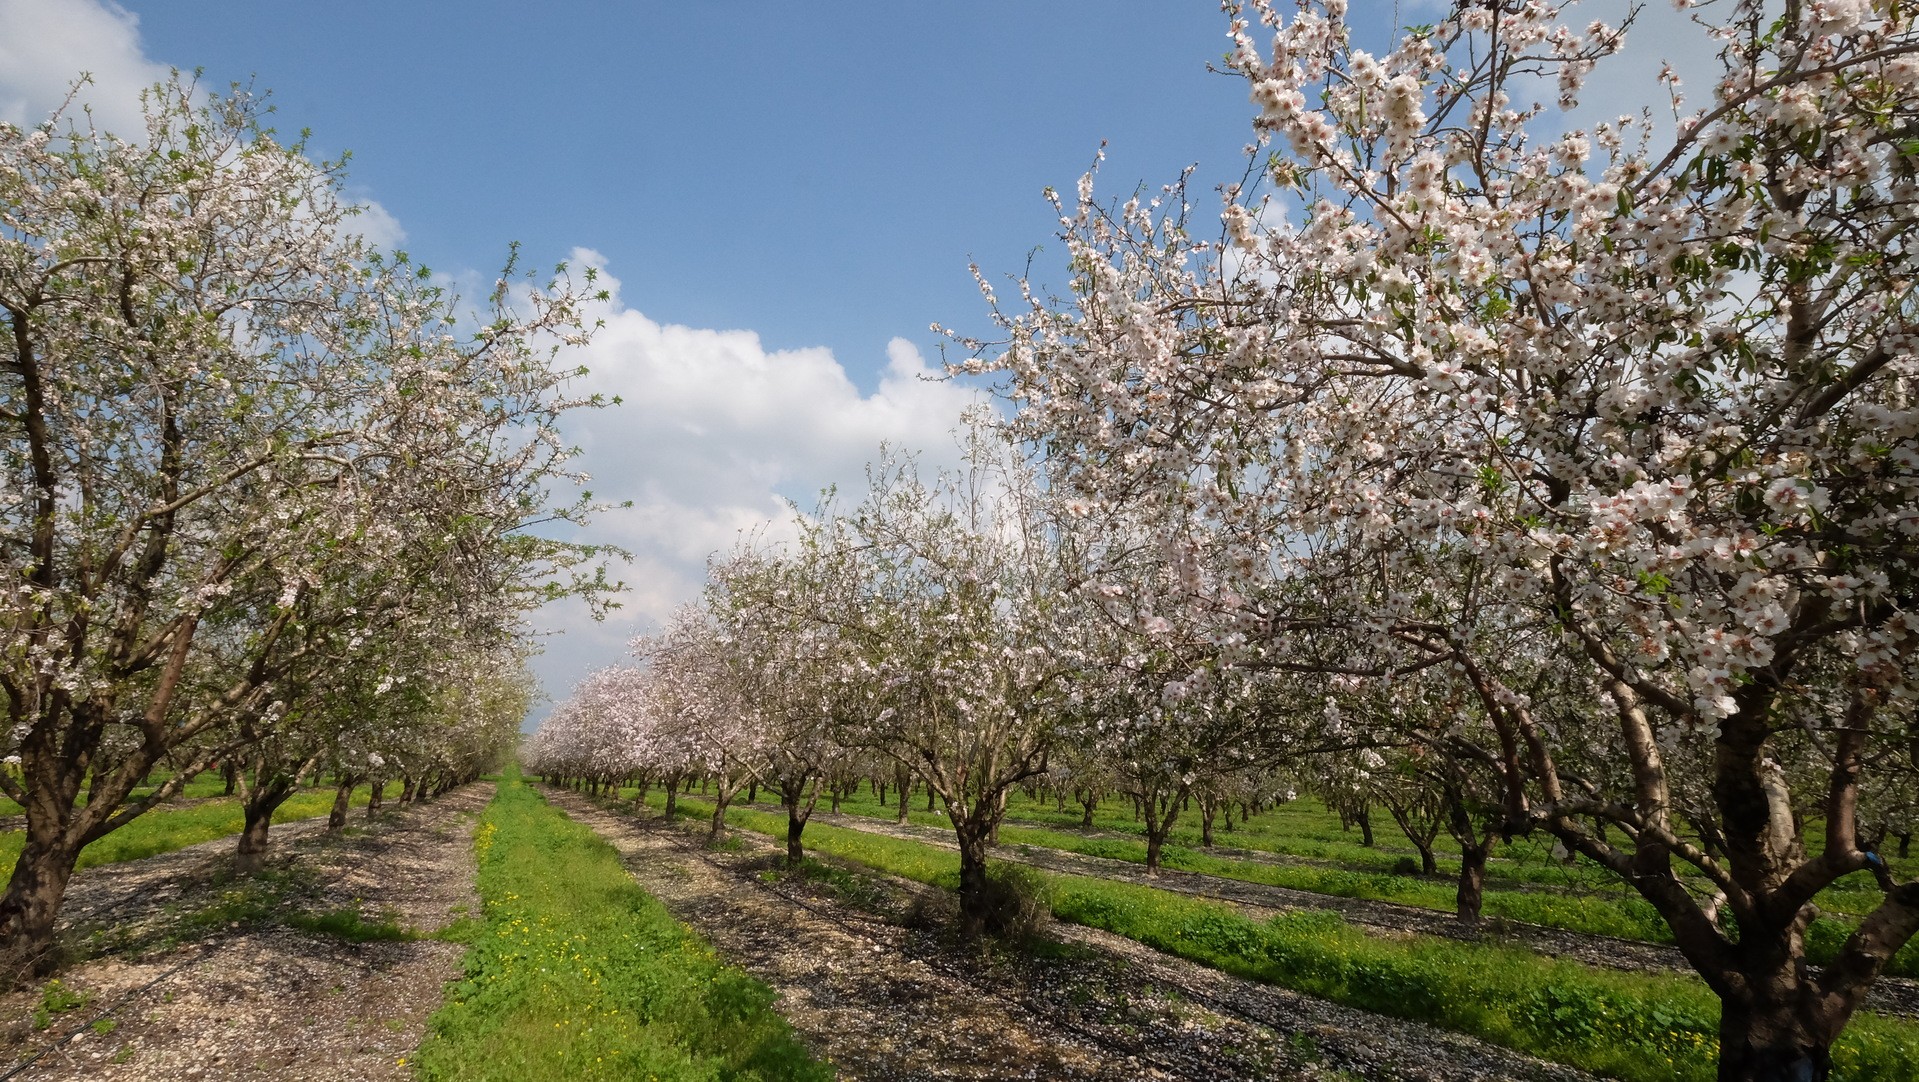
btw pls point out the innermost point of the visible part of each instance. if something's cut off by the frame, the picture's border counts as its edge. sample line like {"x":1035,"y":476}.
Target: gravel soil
{"x":870,"y":983}
{"x":190,"y":972}
{"x":1890,"y":995}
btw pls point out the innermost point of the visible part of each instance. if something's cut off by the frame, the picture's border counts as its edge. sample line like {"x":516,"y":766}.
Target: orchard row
{"x":261,"y":488}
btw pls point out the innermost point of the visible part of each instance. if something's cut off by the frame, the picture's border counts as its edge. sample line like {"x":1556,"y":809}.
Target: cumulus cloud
{"x":714,"y":434}
{"x":45,"y":46}
{"x":374,"y":222}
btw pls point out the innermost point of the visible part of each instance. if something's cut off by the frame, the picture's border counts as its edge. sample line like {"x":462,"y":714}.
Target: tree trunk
{"x":975,"y":900}
{"x":1091,"y":805}
{"x":375,"y":796}
{"x":252,"y":852}
{"x":230,"y":774}
{"x":752,"y":792}
{"x":672,"y":800}
{"x":1472,"y":881}
{"x":1365,"y":820}
{"x":1770,"y":1043}
{"x":1207,"y":809}
{"x":929,"y":798}
{"x":30,"y":906}
{"x":1427,"y":865}
{"x":342,"y":801}
{"x":722,"y":797}
{"x":1160,"y":813}
{"x":1905,"y":844}
{"x":795,"y":826}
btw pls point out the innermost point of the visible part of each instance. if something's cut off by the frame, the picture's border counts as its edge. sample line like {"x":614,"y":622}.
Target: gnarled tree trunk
{"x":975,"y":899}
{"x":342,"y":802}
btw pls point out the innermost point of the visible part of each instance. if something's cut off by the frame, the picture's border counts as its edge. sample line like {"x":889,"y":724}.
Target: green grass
{"x":166,"y":829}
{"x":204,"y":784}
{"x":1598,"y":904}
{"x":576,"y":973}
{"x":353,"y":925}
{"x":55,"y":999}
{"x":1631,"y":1026}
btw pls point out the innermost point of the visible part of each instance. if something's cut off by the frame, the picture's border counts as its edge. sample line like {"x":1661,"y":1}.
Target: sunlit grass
{"x":164,"y":830}
{"x":204,"y":784}
{"x":577,"y":973}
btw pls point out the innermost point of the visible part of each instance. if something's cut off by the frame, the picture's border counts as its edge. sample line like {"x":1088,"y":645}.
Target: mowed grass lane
{"x":577,"y":973}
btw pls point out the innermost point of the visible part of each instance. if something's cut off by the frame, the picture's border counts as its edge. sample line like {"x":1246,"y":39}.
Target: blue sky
{"x":820,"y":173}
{"x":783,"y":196}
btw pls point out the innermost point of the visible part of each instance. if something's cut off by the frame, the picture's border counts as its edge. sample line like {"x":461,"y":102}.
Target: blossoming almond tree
{"x":1653,"y":381}
{"x":709,"y":697}
{"x":800,"y":672}
{"x":222,"y":420}
{"x":968,"y":619}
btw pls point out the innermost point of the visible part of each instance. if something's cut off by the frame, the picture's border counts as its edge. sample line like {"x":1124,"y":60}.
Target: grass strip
{"x":204,"y":784}
{"x":1638,"y":1027}
{"x":166,"y":829}
{"x":577,"y":973}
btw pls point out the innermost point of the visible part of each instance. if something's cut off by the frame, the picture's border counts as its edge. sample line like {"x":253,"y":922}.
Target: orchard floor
{"x":193,"y":975}
{"x":883,"y":1000}
{"x":1893,"y":996}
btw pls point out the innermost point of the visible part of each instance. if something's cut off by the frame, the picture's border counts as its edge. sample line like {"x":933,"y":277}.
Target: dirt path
{"x":1890,"y":995}
{"x":196,"y":975}
{"x":884,"y":1000}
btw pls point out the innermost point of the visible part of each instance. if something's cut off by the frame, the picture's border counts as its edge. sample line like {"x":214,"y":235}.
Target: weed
{"x":1016,"y":903}
{"x":57,"y":998}
{"x":461,"y":930}
{"x":349,"y":923}
{"x":103,"y":1026}
{"x":1304,"y":1047}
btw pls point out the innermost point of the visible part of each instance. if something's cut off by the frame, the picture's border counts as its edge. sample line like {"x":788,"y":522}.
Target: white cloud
{"x":715,"y":433}
{"x":45,"y":45}
{"x":374,"y":222}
